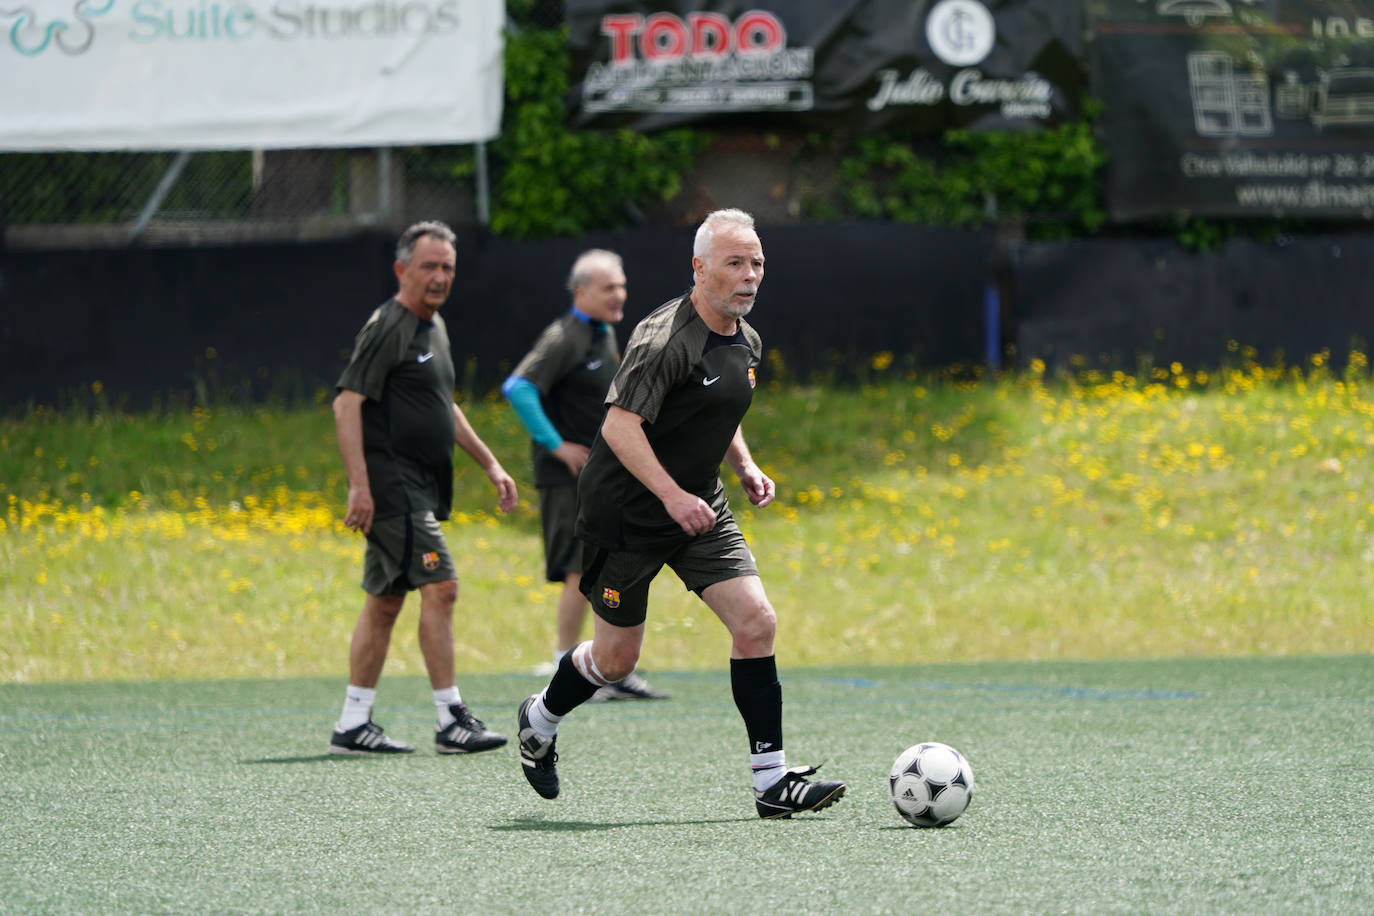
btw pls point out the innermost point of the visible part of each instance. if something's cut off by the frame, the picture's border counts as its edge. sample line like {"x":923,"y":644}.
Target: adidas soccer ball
{"x":931,"y":784}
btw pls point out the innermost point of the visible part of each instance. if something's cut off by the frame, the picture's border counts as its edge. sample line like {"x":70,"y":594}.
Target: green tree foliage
{"x":555,"y":181}
{"x":1051,"y":177}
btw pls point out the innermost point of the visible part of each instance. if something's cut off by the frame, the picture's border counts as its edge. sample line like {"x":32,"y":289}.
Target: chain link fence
{"x":115,"y":198}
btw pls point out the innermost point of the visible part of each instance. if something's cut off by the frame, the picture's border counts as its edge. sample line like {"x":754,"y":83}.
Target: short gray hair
{"x":588,"y":261}
{"x":405,"y":246}
{"x":706,"y":232}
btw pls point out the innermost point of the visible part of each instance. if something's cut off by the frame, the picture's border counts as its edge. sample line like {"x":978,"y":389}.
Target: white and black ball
{"x":931,"y":784}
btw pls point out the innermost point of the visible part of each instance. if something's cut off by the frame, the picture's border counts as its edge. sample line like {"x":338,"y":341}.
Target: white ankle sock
{"x":357,"y":707}
{"x":768,"y":769}
{"x":544,"y":723}
{"x":443,"y":699}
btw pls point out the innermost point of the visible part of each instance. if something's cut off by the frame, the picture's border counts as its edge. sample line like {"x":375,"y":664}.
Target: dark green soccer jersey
{"x":692,"y":387}
{"x":402,"y":365}
{"x":572,"y":364}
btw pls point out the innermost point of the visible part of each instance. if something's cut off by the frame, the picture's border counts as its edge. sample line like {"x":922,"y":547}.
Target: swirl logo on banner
{"x":960,"y":32}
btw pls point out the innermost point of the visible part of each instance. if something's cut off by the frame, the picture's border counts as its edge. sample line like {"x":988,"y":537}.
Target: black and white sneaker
{"x":794,"y":794}
{"x":367,"y":738}
{"x":538,"y":758}
{"x":630,"y":687}
{"x":466,"y":734}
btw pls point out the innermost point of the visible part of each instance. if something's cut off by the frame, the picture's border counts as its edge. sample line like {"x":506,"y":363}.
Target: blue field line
{"x":19,"y":722}
{"x":1071,"y":692}
{"x":11,"y":721}
{"x":36,"y":724}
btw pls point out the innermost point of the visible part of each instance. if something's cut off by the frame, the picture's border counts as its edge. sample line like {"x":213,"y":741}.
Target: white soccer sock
{"x":768,"y":769}
{"x":558,"y":656}
{"x":357,"y":707}
{"x":443,"y":699}
{"x":544,"y":723}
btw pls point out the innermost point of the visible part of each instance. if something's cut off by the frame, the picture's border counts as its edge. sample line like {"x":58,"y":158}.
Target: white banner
{"x":248,"y":74}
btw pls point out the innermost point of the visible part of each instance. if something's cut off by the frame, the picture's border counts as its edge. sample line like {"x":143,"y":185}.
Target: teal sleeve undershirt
{"x":524,"y":397}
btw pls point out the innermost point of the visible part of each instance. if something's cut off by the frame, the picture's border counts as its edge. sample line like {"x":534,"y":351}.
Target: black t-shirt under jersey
{"x":402,"y":365}
{"x":692,"y":387}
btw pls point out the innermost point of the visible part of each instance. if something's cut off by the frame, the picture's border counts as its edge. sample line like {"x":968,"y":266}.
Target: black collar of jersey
{"x":714,"y":340}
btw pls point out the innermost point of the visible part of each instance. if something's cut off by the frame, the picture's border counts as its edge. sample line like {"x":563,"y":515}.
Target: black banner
{"x":929,"y":64}
{"x":222,"y":331}
{"x":1236,"y":107}
{"x":1128,"y":303}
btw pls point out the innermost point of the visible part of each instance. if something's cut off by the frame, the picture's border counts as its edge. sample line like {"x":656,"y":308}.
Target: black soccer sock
{"x":568,"y":689}
{"x":758,"y":696}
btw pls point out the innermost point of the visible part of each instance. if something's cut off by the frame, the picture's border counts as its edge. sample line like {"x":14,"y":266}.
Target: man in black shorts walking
{"x":650,"y":495}
{"x":397,"y":424}
{"x":558,"y":391}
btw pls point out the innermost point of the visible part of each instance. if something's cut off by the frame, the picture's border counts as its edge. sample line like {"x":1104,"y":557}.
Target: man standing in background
{"x":397,"y":424}
{"x":558,"y":391}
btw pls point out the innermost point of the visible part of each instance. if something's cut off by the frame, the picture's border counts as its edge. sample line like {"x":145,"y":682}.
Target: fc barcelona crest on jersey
{"x":610,"y":597}
{"x":430,"y":560}
{"x":751,"y":377}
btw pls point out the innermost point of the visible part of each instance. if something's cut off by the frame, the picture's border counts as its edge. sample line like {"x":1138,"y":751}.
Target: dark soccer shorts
{"x":616,"y":582}
{"x":405,"y":552}
{"x":558,"y":515}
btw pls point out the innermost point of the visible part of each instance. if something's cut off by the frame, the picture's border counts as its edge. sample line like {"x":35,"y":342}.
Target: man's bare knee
{"x":616,"y":649}
{"x":383,"y":609}
{"x":443,"y":593}
{"x":754,"y":632}
{"x":617,"y":663}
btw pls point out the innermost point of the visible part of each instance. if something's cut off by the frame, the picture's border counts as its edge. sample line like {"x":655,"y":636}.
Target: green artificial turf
{"x":1208,"y":786}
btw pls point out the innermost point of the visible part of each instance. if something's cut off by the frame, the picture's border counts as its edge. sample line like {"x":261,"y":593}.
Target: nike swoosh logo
{"x":710,"y":381}
{"x":424,"y":357}
{"x":594,"y":365}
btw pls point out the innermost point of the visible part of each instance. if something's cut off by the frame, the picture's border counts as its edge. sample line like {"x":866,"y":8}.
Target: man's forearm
{"x":348,"y":427}
{"x":624,"y":433}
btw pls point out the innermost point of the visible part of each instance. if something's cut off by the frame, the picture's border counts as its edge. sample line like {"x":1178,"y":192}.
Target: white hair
{"x":706,"y":232}
{"x":590,"y":261}
{"x":405,"y":246}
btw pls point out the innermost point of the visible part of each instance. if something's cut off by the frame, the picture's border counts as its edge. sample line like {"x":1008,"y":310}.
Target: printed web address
{"x":1313,"y":194}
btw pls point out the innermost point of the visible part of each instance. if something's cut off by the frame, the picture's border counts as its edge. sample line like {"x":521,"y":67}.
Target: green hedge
{"x":553,"y":181}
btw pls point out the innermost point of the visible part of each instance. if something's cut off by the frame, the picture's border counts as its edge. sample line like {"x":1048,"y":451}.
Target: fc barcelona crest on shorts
{"x":430,"y":560}
{"x":610,"y":597}
{"x":751,"y":377}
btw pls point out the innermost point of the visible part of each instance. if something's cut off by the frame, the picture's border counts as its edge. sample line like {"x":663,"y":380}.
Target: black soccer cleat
{"x":794,"y":794}
{"x":367,"y":738}
{"x":538,"y":759}
{"x":466,"y":734}
{"x":631,"y":687}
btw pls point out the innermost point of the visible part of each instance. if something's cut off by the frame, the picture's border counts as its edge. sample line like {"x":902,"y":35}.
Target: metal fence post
{"x":159,"y":194}
{"x":483,"y":187}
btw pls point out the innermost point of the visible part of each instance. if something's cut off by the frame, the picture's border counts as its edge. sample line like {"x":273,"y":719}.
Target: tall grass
{"x":1160,"y":513}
